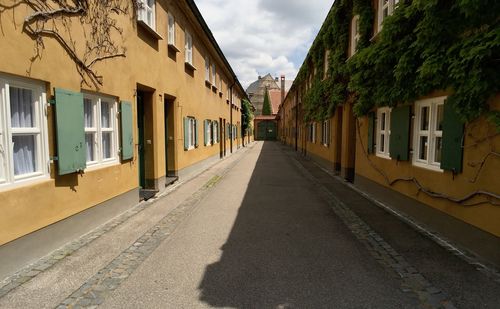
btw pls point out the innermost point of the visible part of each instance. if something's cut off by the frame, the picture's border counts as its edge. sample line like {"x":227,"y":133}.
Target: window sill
{"x":173,"y":48}
{"x":189,"y":66}
{"x":221,"y":94}
{"x":208,"y":84}
{"x":383,"y":156}
{"x":97,"y":166}
{"x":150,"y":30}
{"x":214,"y":88}
{"x":26,"y":181}
{"x":429,"y":167}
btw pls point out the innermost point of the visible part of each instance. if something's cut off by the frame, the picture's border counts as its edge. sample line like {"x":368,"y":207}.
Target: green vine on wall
{"x":325,"y":94}
{"x":425,"y":45}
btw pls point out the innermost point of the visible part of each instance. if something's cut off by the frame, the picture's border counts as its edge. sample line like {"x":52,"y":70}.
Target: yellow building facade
{"x":397,"y":155}
{"x":145,"y":86}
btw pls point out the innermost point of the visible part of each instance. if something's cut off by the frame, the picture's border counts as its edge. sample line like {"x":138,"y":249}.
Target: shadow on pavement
{"x":288,"y":250}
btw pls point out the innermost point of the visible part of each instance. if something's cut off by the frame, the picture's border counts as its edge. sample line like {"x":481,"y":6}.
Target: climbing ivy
{"x":325,"y":94}
{"x":246,"y":116}
{"x":425,"y":45}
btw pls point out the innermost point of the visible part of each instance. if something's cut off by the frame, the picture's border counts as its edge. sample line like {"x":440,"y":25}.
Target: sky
{"x":264,"y":36}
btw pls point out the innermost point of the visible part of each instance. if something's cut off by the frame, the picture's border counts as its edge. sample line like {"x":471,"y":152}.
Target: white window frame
{"x":215,"y":132}
{"x":8,"y":179}
{"x":191,"y":133}
{"x":98,"y":130}
{"x":312,"y":132}
{"x":325,"y":130}
{"x":355,"y":35}
{"x":210,"y":141}
{"x":390,"y":5}
{"x":188,"y":48}
{"x":144,"y":10}
{"x":207,"y":69}
{"x":214,"y":75}
{"x":431,"y":133}
{"x":383,"y":117}
{"x":171,"y":29}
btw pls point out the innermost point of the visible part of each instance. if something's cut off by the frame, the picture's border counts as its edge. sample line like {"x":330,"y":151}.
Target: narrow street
{"x":264,"y":228}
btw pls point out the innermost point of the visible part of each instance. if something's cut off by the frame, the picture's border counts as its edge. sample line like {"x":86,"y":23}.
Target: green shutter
{"x":371,"y":132}
{"x":70,"y":126}
{"x":127,"y":131}
{"x":205,"y":125}
{"x":453,"y":132}
{"x":400,"y":133}
{"x":196,"y":133}
{"x":186,"y":133}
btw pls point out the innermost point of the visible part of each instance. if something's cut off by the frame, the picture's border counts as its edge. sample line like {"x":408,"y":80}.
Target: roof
{"x":211,"y":37}
{"x":265,"y":117}
{"x":275,"y":98}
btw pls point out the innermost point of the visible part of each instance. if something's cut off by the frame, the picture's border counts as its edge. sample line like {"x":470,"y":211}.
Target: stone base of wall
{"x":463,"y":234}
{"x":34,"y":246}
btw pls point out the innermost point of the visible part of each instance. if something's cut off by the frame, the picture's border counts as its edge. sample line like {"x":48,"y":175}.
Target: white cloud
{"x":264,"y":36}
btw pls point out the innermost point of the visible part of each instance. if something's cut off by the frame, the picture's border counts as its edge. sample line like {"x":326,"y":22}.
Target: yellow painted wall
{"x":486,"y":216}
{"x":148,"y":65}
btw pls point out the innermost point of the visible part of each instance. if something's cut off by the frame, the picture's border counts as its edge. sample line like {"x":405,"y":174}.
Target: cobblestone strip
{"x":470,"y":258}
{"x":412,"y":281}
{"x":93,"y":292}
{"x":31,"y":271}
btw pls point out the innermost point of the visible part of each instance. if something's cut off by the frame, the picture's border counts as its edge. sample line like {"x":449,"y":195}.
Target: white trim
{"x":429,"y":132}
{"x":214,"y":75}
{"x":355,"y":35}
{"x":390,"y":6}
{"x":147,"y":14}
{"x":188,"y":48}
{"x":98,"y":130}
{"x":39,"y":131}
{"x":191,"y":133}
{"x":383,"y":117}
{"x":171,"y":29}
{"x":207,"y":69}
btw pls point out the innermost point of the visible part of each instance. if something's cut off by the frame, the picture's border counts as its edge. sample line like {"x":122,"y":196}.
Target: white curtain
{"x":21,"y":108}
{"x":24,"y":154}
{"x":105,"y":115}
{"x":106,"y":145}
{"x":89,"y":142}
{"x":89,"y":113}
{"x":22,"y":116}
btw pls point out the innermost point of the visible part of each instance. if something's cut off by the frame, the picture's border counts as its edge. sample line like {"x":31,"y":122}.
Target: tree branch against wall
{"x":58,"y":20}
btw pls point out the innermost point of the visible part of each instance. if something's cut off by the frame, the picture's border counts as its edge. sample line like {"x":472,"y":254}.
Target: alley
{"x":261,"y":229}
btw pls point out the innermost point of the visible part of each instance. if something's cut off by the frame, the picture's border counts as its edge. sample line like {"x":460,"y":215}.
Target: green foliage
{"x":246,"y":115}
{"x":431,"y":45}
{"x":324,"y":95}
{"x":425,"y":45}
{"x":266,"y":108}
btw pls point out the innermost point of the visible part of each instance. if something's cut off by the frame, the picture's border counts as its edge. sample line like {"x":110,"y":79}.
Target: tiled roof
{"x":275,"y":97}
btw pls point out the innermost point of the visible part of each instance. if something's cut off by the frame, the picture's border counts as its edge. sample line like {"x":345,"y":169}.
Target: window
{"x":101,"y":134}
{"x":428,"y":133}
{"x":326,"y":64}
{"x":383,"y":129}
{"x":207,"y":69}
{"x":23,"y":131}
{"x":214,"y":75}
{"x":355,"y":36}
{"x":312,"y":132}
{"x":146,"y":12}
{"x":171,"y":29}
{"x":325,"y":136}
{"x":385,"y":8}
{"x":191,"y":133}
{"x":209,"y":139}
{"x":189,"y":49}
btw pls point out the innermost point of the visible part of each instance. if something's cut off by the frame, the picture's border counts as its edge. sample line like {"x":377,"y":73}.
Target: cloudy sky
{"x":264,"y":36}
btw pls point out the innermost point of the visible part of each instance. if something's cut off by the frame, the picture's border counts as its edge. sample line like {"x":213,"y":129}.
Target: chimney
{"x":260,"y":77}
{"x":282,"y":88}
